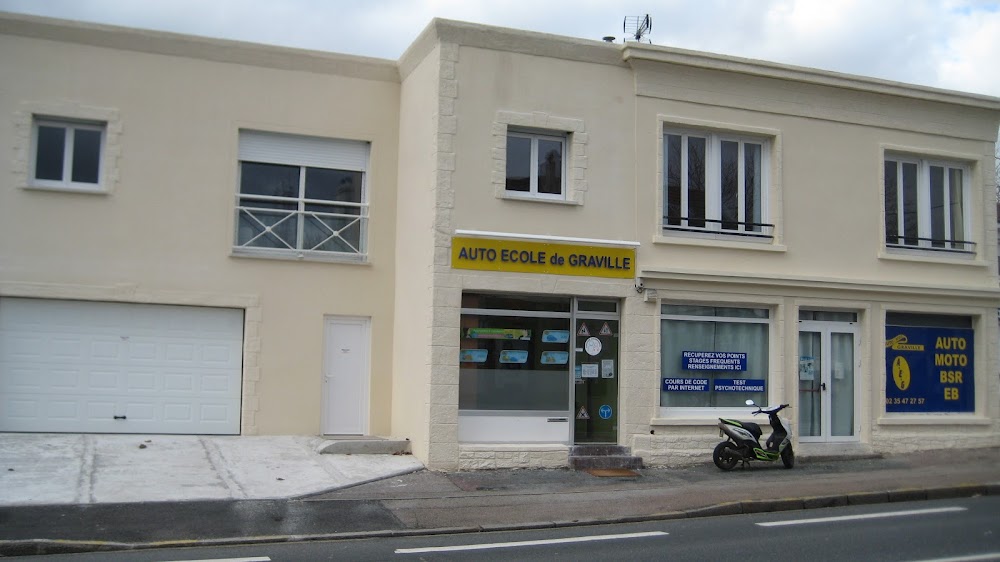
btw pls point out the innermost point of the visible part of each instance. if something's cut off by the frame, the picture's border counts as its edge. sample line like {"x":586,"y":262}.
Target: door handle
{"x":558,"y":419}
{"x":822,"y":386}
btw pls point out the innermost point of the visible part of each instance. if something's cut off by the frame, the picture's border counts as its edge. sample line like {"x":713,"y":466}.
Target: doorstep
{"x":362,"y":445}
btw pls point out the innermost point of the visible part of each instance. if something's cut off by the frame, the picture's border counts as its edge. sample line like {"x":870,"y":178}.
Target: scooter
{"x":743,"y":443}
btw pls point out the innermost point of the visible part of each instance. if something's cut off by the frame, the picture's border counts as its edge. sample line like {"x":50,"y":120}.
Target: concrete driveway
{"x":38,"y":469}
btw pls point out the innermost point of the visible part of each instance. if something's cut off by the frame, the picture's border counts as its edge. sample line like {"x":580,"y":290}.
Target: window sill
{"x":533,"y":199}
{"x":88,"y":189}
{"x":702,"y":416}
{"x":934,"y":419}
{"x":694,"y":421}
{"x":718,"y":240}
{"x":291,"y":255}
{"x":927,"y":256}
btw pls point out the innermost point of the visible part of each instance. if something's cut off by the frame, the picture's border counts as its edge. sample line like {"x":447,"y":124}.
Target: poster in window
{"x":607,"y":368}
{"x":498,"y":334}
{"x":473,"y":355}
{"x":555,"y":357}
{"x":929,"y":370}
{"x":515,"y":356}
{"x":807,"y":368}
{"x":555,"y":336}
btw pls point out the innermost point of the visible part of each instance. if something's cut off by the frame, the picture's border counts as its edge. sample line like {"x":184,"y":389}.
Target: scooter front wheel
{"x":725,"y":456}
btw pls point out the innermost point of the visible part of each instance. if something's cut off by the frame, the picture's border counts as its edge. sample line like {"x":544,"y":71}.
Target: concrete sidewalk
{"x":487,"y":500}
{"x":40,"y":469}
{"x":426,"y":502}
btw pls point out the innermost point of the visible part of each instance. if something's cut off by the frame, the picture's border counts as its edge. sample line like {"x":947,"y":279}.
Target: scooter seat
{"x":753,"y":428}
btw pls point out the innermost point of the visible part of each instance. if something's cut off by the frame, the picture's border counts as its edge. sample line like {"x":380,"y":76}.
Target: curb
{"x":28,"y":547}
{"x":307,"y":496}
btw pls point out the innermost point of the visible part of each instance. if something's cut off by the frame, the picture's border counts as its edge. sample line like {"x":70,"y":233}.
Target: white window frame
{"x":712,"y":412}
{"x":67,"y":183}
{"x":533,"y":165}
{"x":713,"y":183}
{"x":924,"y":215}
{"x":303,"y":152}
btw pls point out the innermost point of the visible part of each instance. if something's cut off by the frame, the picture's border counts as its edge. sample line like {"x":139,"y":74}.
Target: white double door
{"x":829,"y":360}
{"x":345,"y":375}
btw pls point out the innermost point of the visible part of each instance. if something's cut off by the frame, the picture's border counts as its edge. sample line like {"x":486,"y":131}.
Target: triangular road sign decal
{"x":582,"y":414}
{"x":605,"y":330}
{"x":583,"y":331}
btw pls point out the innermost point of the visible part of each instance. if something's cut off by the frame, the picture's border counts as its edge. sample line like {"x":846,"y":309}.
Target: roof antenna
{"x":638,"y":27}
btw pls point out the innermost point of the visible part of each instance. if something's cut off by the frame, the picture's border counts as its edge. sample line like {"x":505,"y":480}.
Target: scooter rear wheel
{"x":788,"y":457}
{"x":725,"y":456}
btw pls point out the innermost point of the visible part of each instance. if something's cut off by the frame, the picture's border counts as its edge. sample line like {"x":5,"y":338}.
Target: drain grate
{"x":611,"y":472}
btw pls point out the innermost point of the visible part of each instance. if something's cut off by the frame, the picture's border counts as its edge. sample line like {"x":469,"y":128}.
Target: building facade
{"x":502,"y":244}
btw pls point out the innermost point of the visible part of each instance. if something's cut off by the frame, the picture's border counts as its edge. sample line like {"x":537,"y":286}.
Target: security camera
{"x":638,"y":285}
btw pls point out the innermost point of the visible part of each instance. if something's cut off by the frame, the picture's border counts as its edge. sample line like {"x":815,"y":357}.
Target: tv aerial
{"x":638,"y":27}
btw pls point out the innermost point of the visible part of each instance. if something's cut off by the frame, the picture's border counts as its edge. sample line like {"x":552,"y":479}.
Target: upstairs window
{"x":301,"y":197}
{"x":67,"y":154}
{"x":715,"y":183}
{"x":536,"y":165}
{"x":927,"y":204}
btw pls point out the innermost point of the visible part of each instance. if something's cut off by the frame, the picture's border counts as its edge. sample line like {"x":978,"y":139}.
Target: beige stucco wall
{"x":827,"y":148}
{"x":826,"y":166}
{"x":411,"y":354}
{"x":437,"y":122}
{"x":165,"y":231}
{"x":829,"y":134}
{"x":597,"y":96}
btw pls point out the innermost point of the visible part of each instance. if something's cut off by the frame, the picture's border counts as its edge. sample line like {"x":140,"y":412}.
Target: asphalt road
{"x":953,"y":530}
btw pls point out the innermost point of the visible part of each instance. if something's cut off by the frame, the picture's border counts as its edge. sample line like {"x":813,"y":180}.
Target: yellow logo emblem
{"x":901,"y":373}
{"x":898,"y":343}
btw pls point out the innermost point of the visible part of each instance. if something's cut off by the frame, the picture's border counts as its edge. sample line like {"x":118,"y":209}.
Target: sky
{"x":951,"y":44}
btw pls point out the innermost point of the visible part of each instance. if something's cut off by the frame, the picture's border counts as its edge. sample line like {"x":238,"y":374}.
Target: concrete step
{"x":365,"y":445}
{"x":605,"y":461}
{"x":597,"y":450}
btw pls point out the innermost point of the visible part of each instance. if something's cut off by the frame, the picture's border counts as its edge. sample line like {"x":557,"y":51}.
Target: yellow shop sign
{"x":542,"y":257}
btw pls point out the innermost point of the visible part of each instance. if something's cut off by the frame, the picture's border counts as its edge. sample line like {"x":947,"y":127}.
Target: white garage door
{"x":96,"y":367}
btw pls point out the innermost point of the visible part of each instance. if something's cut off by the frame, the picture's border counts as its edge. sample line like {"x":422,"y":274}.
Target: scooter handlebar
{"x":774,"y":411}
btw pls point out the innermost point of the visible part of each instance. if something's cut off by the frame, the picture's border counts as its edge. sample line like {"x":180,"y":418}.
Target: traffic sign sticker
{"x":605,"y":412}
{"x":583,"y":331}
{"x":582,"y":414}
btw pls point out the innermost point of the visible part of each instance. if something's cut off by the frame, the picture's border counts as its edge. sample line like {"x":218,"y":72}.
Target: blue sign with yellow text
{"x":929,"y":370}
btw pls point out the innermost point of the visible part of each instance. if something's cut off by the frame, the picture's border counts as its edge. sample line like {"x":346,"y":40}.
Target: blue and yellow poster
{"x":929,"y":370}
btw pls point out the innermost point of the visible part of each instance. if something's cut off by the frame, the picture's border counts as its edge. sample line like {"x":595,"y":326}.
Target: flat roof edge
{"x":527,"y":42}
{"x":671,"y":55}
{"x":197,"y":47}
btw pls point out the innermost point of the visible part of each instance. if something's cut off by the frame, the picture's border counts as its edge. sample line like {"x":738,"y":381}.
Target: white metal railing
{"x":302,"y":230}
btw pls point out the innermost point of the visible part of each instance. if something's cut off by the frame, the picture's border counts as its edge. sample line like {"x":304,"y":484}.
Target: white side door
{"x":345,"y":376}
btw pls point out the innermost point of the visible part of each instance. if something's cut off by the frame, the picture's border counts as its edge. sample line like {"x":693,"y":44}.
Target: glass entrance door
{"x":595,"y":377}
{"x":828,"y":363}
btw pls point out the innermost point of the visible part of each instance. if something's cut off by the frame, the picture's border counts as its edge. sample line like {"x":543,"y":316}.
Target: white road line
{"x":863,"y":516}
{"x":487,"y":546}
{"x":969,"y":558}
{"x":254,"y":559}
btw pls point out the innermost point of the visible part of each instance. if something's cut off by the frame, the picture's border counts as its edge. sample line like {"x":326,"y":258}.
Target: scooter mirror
{"x":750,"y":403}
